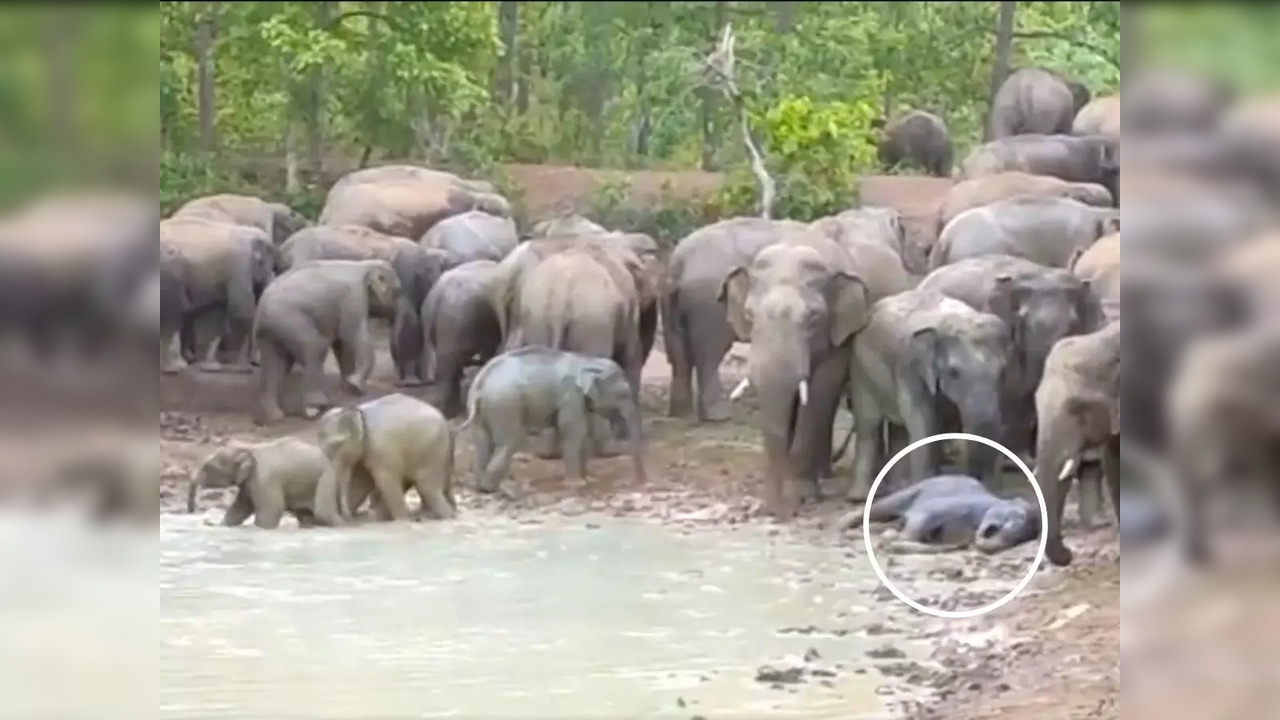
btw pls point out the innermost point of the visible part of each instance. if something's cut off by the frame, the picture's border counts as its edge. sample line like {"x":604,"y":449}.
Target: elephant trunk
{"x":782,"y":392}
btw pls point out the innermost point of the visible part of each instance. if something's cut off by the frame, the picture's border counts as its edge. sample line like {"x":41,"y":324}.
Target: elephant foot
{"x":269,"y":416}
{"x":209,"y":366}
{"x":716,"y":413}
{"x":174,"y":367}
{"x":1058,"y":554}
{"x":611,"y":449}
{"x":410,"y":381}
{"x":680,"y":402}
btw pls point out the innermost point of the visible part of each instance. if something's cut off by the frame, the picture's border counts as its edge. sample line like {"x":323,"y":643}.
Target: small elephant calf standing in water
{"x":271,"y":478}
{"x":383,"y":447}
{"x":535,"y":388}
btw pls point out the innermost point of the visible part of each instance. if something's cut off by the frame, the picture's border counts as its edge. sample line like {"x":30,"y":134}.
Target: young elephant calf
{"x":271,"y":478}
{"x":535,"y":388}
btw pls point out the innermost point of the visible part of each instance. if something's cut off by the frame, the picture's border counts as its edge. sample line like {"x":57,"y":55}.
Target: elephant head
{"x":341,"y":435}
{"x":226,"y":467}
{"x":1007,"y":524}
{"x":1089,"y":194}
{"x":262,"y":261}
{"x":794,"y":307}
{"x":1040,"y":310}
{"x":1107,"y":222}
{"x":607,"y":391}
{"x":285,"y":221}
{"x":962,"y":359}
{"x":383,"y":286}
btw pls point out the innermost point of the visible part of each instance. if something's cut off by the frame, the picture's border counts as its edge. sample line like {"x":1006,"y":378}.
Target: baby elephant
{"x":270,"y":478}
{"x":950,"y":512}
{"x":388,"y":445}
{"x":535,"y":388}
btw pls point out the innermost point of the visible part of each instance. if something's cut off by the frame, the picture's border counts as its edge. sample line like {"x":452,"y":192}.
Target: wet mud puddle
{"x":493,"y":618}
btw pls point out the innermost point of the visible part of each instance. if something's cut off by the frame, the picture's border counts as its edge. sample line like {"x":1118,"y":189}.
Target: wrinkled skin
{"x":397,"y":442}
{"x":405,"y":206}
{"x":1093,"y":159}
{"x":566,"y":225}
{"x":532,"y":389}
{"x":1101,"y":116}
{"x":1099,"y":266}
{"x":697,"y":334}
{"x":917,"y":139}
{"x":930,"y":364}
{"x":1033,"y":101}
{"x":969,"y":194}
{"x":1046,"y":230}
{"x":270,"y":478}
{"x":459,"y":326}
{"x":1040,"y":306}
{"x":1172,"y":102}
{"x":473,"y":235}
{"x":70,"y":267}
{"x":878,"y":225}
{"x":1077,"y":410}
{"x":277,"y":220}
{"x":321,"y":306}
{"x":417,"y":270}
{"x":798,"y":303}
{"x":949,"y":512}
{"x":222,"y":269}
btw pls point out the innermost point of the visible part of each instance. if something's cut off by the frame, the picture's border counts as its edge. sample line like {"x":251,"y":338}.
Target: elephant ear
{"x":1089,"y":308}
{"x":343,"y":429}
{"x":733,"y":294}
{"x":850,"y":305}
{"x":589,"y":384}
{"x":244,"y":464}
{"x":923,"y":356}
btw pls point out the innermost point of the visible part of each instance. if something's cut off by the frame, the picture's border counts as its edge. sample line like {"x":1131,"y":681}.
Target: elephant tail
{"x":448,"y":472}
{"x":473,"y":406}
{"x":675,"y":336}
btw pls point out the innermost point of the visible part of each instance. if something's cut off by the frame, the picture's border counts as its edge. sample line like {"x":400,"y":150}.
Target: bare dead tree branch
{"x":718,"y":71}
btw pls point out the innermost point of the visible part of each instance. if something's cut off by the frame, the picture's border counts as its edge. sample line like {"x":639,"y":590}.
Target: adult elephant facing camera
{"x":798,"y":304}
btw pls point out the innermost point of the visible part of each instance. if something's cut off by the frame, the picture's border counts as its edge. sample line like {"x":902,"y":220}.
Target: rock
{"x":886,"y":652}
{"x":778,"y":676}
{"x":811,"y":655}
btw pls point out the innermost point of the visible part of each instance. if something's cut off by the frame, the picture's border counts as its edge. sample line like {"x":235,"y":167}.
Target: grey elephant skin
{"x":472,"y":235}
{"x":270,"y":479}
{"x":393,"y":442}
{"x":1077,"y":410}
{"x":406,"y":202}
{"x":949,"y":512}
{"x":1092,"y":159}
{"x":696,"y":329}
{"x":870,"y":225}
{"x":459,"y":329}
{"x":1101,"y":116}
{"x":222,"y":269}
{"x":1035,"y":101}
{"x":917,"y":139}
{"x":1040,"y":306}
{"x":417,"y":269}
{"x":1046,"y":230}
{"x":277,"y":220}
{"x":924,"y":361}
{"x":573,"y":224}
{"x":1099,"y":265}
{"x":532,"y":389}
{"x":320,"y":306}
{"x":981,"y":191}
{"x":799,"y":304}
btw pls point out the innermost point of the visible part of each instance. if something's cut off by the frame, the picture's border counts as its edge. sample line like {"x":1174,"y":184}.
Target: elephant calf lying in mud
{"x":951,"y":512}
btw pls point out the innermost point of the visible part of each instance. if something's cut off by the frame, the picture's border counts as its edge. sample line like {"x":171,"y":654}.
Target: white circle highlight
{"x":956,"y":614}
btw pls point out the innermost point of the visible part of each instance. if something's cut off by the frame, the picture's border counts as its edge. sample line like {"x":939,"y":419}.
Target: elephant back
{"x":407,"y":173}
{"x":238,"y":209}
{"x":573,"y":224}
{"x":343,"y":242}
{"x":198,"y":240}
{"x":1101,"y":116}
{"x":404,"y":208}
{"x":472,"y":235}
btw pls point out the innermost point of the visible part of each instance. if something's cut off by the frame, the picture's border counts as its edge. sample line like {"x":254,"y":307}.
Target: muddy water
{"x":488,"y":617}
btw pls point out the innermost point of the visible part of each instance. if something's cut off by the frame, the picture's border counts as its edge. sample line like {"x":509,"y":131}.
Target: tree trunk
{"x":1000,"y":64}
{"x":711,"y":101}
{"x":504,"y":71}
{"x":644,"y":116}
{"x":291,"y":183}
{"x":316,"y":120}
{"x":206,"y":23}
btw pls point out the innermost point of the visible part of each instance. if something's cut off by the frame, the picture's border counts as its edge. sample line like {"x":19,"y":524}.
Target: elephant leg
{"x":710,"y":339}
{"x":483,"y":446}
{"x":271,"y":377}
{"x":812,"y":446}
{"x":390,"y":485}
{"x":867,"y":442}
{"x":314,"y":398}
{"x":895,"y":440}
{"x":233,"y":348}
{"x":348,"y":364}
{"x":171,"y":360}
{"x":206,"y":333}
{"x":1111,"y":471}
{"x":575,"y":433}
{"x":1089,"y":493}
{"x":431,"y":485}
{"x":676,"y":341}
{"x":496,"y":447}
{"x":918,"y":418}
{"x":268,"y":518}
{"x":448,"y":377}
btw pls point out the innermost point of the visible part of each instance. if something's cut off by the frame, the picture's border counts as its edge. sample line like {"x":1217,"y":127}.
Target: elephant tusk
{"x":804,"y":392}
{"x":1067,"y":468}
{"x":740,"y":389}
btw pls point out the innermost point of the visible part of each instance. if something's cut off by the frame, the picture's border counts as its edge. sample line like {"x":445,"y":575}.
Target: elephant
{"x":533,"y":388}
{"x":322,"y":305}
{"x":566,"y":225}
{"x":917,"y":139}
{"x":1089,"y":159}
{"x":1099,"y":266}
{"x":981,"y":191}
{"x":459,"y":325}
{"x":1046,"y":230}
{"x":1077,"y":410}
{"x":71,"y":266}
{"x":1254,"y":266}
{"x":277,"y":220}
{"x":929,"y":364}
{"x":222,"y":268}
{"x":1033,"y":101}
{"x":417,"y":270}
{"x":472,"y":235}
{"x":798,"y":303}
{"x":951,"y":512}
{"x":1040,"y":306}
{"x":412,"y":173}
{"x":1224,"y":422}
{"x":696,"y":330}
{"x":1101,"y":116}
{"x":879,"y":225}
{"x":271,"y":478}
{"x":405,"y":207}
{"x":396,"y":441}
{"x":1173,"y":102}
